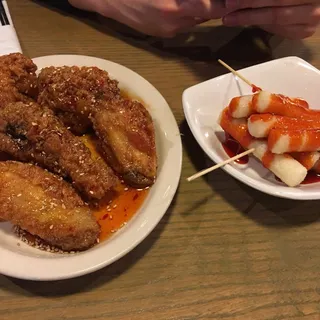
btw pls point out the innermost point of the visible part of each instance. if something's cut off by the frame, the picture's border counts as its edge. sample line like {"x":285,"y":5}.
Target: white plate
{"x":25,"y":262}
{"x":204,"y":102}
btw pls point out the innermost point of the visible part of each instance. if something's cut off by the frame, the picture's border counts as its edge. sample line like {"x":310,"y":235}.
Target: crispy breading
{"x":9,"y":93}
{"x":127,"y":138}
{"x":125,"y":127}
{"x":45,"y":206}
{"x":75,"y":90}
{"x":22,"y":71}
{"x":29,"y":132}
{"x":76,"y":123}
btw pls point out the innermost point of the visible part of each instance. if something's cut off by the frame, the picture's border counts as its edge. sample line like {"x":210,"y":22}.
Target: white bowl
{"x":22,"y":261}
{"x":204,"y":102}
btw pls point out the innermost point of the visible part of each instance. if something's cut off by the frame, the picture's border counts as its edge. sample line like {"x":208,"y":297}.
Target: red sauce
{"x":267,"y":159}
{"x":112,"y":216}
{"x":115,"y":215}
{"x":305,"y":158}
{"x":238,"y":130}
{"x":234,"y":104}
{"x":232,"y":148}
{"x":263,"y":117}
{"x":312,"y":177}
{"x":255,"y":88}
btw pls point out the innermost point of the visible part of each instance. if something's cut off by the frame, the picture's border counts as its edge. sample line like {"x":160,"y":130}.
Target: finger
{"x":200,"y":20}
{"x":243,"y":4}
{"x":89,"y":5}
{"x":291,"y":32}
{"x":171,"y":29}
{"x":206,"y":9}
{"x":306,"y":14}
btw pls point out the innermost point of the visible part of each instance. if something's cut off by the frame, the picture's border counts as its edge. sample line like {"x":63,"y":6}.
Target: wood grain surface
{"x":223,"y":250}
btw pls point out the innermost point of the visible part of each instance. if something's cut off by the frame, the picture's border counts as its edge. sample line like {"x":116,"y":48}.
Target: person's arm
{"x":296,"y":19}
{"x":164,"y":18}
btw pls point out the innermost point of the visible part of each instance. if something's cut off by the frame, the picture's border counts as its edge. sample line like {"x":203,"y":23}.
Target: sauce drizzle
{"x":255,"y":88}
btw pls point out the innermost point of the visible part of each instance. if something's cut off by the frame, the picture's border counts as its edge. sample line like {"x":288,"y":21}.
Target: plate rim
{"x":150,"y":225}
{"x":257,"y":185}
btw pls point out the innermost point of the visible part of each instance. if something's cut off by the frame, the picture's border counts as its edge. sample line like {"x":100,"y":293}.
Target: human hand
{"x":295,"y":19}
{"x":164,"y":18}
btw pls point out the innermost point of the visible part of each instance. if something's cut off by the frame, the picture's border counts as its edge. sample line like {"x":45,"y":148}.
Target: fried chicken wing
{"x":127,"y":138}
{"x":76,"y":123}
{"x":75,"y":90}
{"x":29,"y":132}
{"x":22,"y":71}
{"x":124,"y":127}
{"x":45,"y":206}
{"x":9,"y":93}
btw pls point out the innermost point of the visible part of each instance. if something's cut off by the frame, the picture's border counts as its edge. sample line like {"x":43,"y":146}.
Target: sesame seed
{"x":51,"y":227}
{"x":19,"y":195}
{"x":91,"y":192}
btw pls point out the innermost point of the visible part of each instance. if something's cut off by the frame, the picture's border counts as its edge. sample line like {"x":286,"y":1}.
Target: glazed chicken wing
{"x":76,"y":123}
{"x":9,"y":93}
{"x":22,"y":72}
{"x":127,"y":139}
{"x":45,"y":206}
{"x":124,"y":127}
{"x":29,"y":132}
{"x":74,"y":90}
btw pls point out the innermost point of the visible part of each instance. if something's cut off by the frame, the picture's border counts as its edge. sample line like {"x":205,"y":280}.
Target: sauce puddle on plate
{"x":112,"y":215}
{"x":115,"y":215}
{"x":312,"y":177}
{"x":233,"y":148}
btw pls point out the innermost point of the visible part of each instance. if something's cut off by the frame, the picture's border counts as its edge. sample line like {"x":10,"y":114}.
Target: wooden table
{"x":223,"y":250}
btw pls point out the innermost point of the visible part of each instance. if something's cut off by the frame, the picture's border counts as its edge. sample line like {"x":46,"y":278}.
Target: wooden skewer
{"x":240,"y":155}
{"x":219,"y":165}
{"x":236,"y":73}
